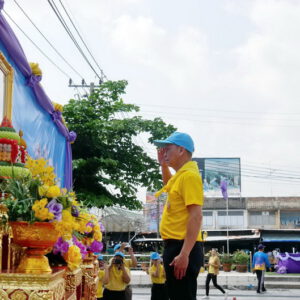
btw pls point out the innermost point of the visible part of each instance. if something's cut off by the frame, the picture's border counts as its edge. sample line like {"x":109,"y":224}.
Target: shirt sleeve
{"x":192,"y":190}
{"x":128,"y":263}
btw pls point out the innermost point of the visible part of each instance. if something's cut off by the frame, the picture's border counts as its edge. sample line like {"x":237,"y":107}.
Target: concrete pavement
{"x":274,"y":294}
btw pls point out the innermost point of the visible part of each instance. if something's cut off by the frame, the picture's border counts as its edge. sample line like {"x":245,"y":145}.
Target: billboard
{"x":216,"y":170}
{"x":153,"y":209}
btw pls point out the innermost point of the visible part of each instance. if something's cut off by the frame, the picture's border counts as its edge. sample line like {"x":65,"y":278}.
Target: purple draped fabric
{"x":291,"y":265}
{"x":17,"y":54}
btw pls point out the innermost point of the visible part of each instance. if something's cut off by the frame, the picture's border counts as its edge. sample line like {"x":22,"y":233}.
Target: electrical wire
{"x":63,"y":72}
{"x":51,"y":45}
{"x":67,"y":29}
{"x":217,"y":121}
{"x":82,"y":40}
{"x":216,"y":110}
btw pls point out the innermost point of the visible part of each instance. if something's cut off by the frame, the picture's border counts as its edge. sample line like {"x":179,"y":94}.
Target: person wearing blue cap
{"x":260,"y":262}
{"x":102,"y":276}
{"x":181,"y":221}
{"x":158,"y":278}
{"x":129,"y":263}
{"x":118,"y":278}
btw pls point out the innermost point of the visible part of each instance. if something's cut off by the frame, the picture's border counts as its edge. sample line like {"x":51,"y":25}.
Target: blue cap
{"x":179,"y":139}
{"x":120,"y":254}
{"x":100,"y":257}
{"x":261,"y":246}
{"x":116,"y":247}
{"x":154,"y":255}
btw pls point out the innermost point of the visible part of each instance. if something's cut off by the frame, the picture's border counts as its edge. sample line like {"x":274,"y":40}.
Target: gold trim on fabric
{"x":8,"y":72}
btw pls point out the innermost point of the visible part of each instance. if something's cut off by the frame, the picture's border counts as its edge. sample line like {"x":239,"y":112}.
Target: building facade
{"x":252,"y":213}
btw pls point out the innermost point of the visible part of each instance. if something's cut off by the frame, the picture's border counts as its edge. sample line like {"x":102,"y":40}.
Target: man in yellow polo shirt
{"x":118,"y":279}
{"x":181,"y":222}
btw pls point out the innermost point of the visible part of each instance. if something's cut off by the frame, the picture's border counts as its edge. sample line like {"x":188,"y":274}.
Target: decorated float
{"x":47,"y":238}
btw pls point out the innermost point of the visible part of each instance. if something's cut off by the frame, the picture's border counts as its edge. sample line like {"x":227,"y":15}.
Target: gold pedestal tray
{"x":39,"y":239}
{"x":24,"y":286}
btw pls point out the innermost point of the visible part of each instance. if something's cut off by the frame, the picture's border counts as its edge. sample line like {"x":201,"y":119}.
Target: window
{"x":290,"y":218}
{"x":6,"y":84}
{"x":262,"y":218}
{"x":207,"y":218}
{"x":235,"y":218}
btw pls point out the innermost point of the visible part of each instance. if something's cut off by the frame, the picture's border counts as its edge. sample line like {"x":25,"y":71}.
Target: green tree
{"x":105,"y":155}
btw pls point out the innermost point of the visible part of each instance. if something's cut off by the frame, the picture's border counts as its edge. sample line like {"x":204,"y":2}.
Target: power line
{"x":252,"y":167}
{"x":263,"y":118}
{"x":67,"y":29}
{"x":81,"y":38}
{"x":217,"y":110}
{"x":225,"y":122}
{"x":63,"y":72}
{"x":51,"y":45}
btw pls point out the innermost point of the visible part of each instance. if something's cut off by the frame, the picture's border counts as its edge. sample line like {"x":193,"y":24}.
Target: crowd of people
{"x":174,"y":277}
{"x":114,"y":276}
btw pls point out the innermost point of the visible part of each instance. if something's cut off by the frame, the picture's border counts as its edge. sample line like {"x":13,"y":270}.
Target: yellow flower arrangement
{"x":40,"y":170}
{"x":49,"y":191}
{"x":73,"y":257}
{"x":41,"y":212}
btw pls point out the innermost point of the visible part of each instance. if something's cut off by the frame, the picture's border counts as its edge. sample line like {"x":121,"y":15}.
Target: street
{"x":280,"y":294}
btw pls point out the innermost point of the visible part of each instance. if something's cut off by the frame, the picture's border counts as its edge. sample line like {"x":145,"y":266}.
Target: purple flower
{"x":96,"y":246}
{"x":55,"y":208}
{"x":82,"y":247}
{"x":90,"y":224}
{"x":102,"y":228}
{"x":74,"y":211}
{"x":60,"y":247}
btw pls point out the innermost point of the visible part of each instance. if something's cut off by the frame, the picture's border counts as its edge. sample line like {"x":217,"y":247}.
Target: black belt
{"x":169,"y":242}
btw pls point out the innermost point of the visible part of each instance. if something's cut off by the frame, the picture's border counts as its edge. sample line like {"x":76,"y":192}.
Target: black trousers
{"x":186,"y":288}
{"x":113,"y":295}
{"x":159,"y":292}
{"x":212,"y":277}
{"x":128,"y":292}
{"x":261,"y":280}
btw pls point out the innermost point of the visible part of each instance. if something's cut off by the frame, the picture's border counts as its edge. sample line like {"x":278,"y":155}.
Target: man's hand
{"x":161,"y":156}
{"x":130,"y":250}
{"x":122,"y":247}
{"x":156,"y":262}
{"x":180,"y":263}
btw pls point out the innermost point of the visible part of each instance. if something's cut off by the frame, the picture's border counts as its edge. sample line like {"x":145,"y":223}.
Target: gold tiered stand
{"x":73,"y":284}
{"x":90,"y":277}
{"x":22,"y":286}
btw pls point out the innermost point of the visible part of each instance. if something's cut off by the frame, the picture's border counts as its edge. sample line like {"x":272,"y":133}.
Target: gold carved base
{"x":34,"y":262}
{"x":89,"y":279}
{"x":73,"y":281}
{"x":17,"y":286}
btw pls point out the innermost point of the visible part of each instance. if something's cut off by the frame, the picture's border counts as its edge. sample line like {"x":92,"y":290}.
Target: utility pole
{"x":83,"y":84}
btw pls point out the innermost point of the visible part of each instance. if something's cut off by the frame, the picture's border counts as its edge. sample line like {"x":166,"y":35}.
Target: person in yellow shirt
{"x":118,"y":279}
{"x":181,"y":221}
{"x":102,"y":277}
{"x":129,"y":263}
{"x":213,"y":271}
{"x":158,"y":278}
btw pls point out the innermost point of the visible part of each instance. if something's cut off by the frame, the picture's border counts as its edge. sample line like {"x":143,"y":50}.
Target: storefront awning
{"x":280,"y":237}
{"x":232,"y":238}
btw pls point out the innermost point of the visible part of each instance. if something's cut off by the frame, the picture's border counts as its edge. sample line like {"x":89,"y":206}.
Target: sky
{"x":226,"y":72}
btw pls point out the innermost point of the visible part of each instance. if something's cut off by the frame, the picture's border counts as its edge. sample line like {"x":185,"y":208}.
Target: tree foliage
{"x":108,"y":166}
